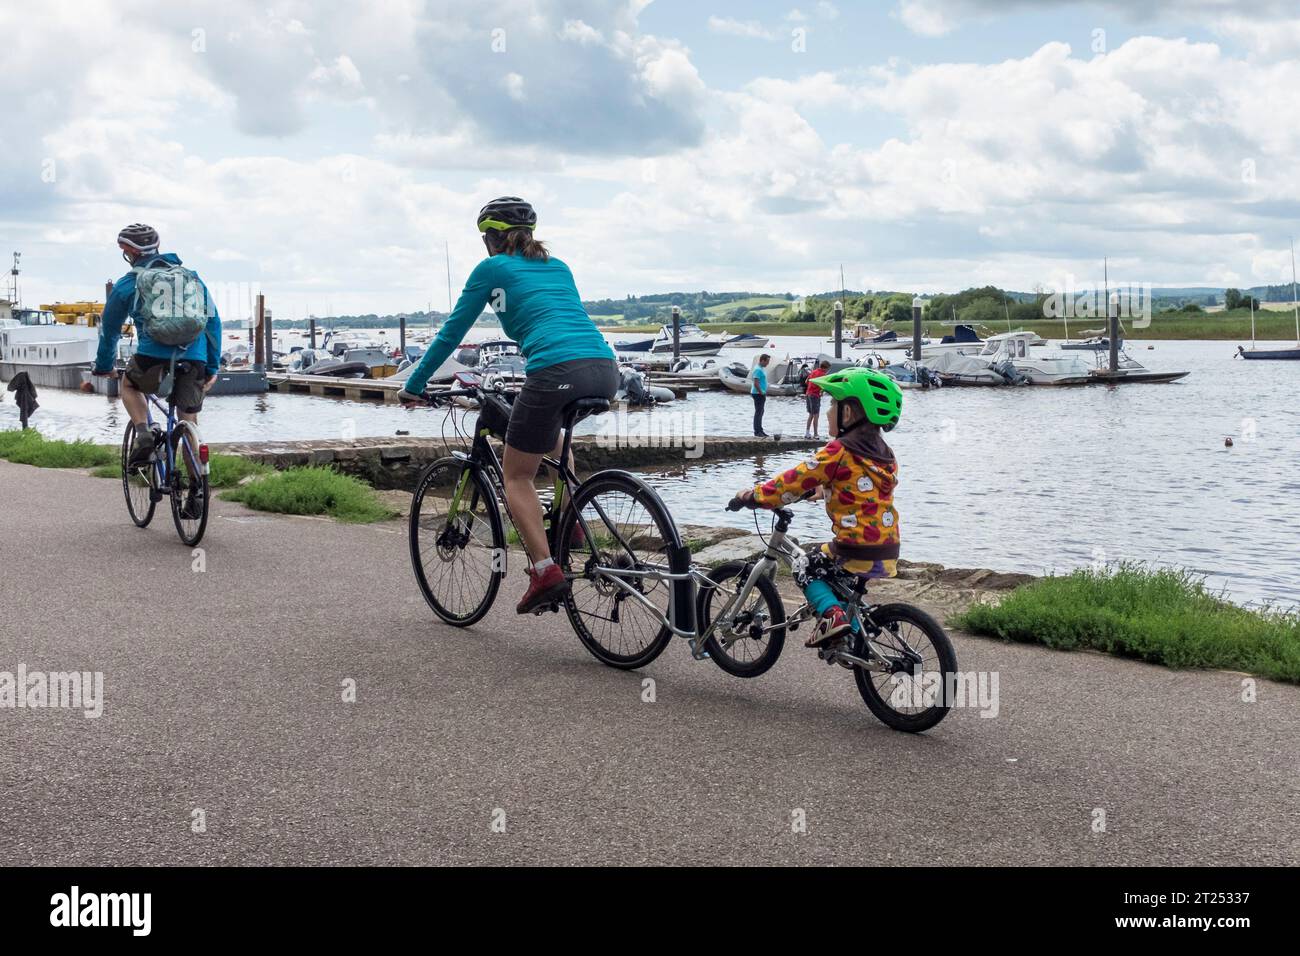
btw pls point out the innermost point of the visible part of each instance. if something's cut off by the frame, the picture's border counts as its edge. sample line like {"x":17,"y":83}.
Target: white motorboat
{"x":888,"y":341}
{"x":789,"y":376}
{"x":692,"y":340}
{"x":52,"y":352}
{"x":964,"y":340}
{"x":954,"y":368}
{"x":338,"y":341}
{"x":746,"y":340}
{"x":1039,"y":367}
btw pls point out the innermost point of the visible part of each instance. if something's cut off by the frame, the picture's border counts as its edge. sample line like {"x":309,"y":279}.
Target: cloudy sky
{"x":326,"y":151}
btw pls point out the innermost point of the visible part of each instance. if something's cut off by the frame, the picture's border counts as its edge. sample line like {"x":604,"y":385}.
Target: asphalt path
{"x":508,"y":743}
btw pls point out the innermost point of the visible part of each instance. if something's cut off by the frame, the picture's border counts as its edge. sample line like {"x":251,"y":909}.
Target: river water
{"x":1027,"y":479}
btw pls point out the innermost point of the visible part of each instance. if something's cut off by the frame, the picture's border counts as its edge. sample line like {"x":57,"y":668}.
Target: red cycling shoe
{"x":548,"y":587}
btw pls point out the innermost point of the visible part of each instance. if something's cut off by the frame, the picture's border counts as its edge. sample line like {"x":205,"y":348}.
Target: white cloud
{"x":514,"y":86}
{"x":739,"y":28}
{"x":925,"y":17}
{"x":1009,"y":172}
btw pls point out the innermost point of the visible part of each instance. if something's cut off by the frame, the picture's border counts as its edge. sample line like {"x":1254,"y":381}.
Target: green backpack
{"x":171,"y":301}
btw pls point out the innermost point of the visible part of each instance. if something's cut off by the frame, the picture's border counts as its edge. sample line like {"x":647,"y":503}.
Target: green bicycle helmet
{"x":878,"y":394}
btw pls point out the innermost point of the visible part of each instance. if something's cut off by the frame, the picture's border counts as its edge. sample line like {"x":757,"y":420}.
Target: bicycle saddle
{"x":580,"y":408}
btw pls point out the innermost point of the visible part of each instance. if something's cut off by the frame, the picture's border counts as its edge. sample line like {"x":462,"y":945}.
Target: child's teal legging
{"x":822,"y":598}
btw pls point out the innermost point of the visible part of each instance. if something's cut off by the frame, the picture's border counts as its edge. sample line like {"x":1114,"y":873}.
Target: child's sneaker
{"x":830,"y":626}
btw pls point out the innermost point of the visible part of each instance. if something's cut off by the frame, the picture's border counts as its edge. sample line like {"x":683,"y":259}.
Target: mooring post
{"x":401,"y":334}
{"x":1112,"y":330}
{"x":259,"y":315}
{"x":677,"y":334}
{"x":917,"y":303}
{"x":311,"y":331}
{"x":269,"y":352}
{"x":839,"y":328}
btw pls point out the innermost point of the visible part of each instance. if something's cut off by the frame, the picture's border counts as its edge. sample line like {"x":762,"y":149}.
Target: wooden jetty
{"x":383,"y":390}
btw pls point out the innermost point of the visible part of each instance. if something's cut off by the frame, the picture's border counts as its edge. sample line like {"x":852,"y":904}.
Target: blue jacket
{"x":121,"y":303}
{"x":538,"y":305}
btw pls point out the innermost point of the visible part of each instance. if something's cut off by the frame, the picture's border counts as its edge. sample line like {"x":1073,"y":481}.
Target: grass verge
{"x":1163,"y":616}
{"x":224,"y":471}
{"x":30,"y":447}
{"x":313,"y":491}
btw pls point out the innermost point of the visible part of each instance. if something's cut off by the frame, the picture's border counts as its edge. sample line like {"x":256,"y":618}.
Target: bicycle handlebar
{"x":433,"y":399}
{"x":735,"y":504}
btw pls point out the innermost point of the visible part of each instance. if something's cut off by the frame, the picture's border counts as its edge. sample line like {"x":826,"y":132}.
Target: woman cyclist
{"x":534,"y":296}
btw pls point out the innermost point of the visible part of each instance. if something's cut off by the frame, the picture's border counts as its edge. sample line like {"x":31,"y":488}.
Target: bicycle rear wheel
{"x":632,"y":531}
{"x":188,"y":485}
{"x":137,"y":482}
{"x":457,"y":541}
{"x":914,"y":697}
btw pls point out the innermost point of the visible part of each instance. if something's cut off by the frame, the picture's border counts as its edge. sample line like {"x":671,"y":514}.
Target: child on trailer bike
{"x":858,"y":472}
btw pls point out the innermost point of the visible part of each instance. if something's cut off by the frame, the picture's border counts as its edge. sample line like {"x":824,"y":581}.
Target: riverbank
{"x":1231,"y":326}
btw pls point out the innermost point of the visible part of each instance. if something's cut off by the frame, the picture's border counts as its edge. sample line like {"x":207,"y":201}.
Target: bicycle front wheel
{"x":616,"y":522}
{"x":749,"y":641}
{"x":457,"y":541}
{"x":137,"y":482}
{"x":189,"y":485}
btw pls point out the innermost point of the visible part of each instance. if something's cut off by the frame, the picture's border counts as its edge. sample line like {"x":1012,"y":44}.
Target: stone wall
{"x":397,"y":462}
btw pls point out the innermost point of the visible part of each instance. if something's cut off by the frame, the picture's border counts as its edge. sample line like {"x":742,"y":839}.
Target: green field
{"x":755,"y":303}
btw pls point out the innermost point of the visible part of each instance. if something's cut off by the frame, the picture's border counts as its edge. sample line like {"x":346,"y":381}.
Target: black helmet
{"x":508,"y":212}
{"x":139,"y":237}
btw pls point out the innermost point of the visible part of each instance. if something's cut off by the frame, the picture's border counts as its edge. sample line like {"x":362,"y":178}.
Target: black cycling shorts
{"x":537,"y":414}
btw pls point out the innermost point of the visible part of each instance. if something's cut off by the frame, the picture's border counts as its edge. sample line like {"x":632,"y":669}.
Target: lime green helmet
{"x":878,"y":394}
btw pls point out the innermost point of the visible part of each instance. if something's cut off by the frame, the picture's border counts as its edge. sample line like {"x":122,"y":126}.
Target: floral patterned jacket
{"x":859,"y":501}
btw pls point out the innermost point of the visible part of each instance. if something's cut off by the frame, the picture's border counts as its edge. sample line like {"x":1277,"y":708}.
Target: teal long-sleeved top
{"x":121,"y":301}
{"x":538,"y":305}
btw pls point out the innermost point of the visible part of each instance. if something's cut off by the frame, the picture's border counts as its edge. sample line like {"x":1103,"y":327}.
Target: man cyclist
{"x":196,"y":364}
{"x":534,"y":296}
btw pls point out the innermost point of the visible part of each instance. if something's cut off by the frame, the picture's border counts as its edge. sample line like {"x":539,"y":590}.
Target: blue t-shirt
{"x":538,"y":305}
{"x":760,"y":382}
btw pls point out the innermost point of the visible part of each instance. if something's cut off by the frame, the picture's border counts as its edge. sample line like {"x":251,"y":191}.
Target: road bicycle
{"x":633,"y":585}
{"x":177,"y":468}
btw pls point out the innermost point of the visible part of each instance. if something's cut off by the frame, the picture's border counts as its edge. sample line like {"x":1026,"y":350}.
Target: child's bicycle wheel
{"x":914,"y":697}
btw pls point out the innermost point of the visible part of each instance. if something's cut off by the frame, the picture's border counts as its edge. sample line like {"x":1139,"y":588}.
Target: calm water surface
{"x":1030,"y":479}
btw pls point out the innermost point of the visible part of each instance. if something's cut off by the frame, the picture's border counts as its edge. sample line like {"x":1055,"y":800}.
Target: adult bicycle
{"x":633,"y":586}
{"x":177,"y":468}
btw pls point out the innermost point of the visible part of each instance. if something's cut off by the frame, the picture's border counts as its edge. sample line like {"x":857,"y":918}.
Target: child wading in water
{"x":858,"y":472}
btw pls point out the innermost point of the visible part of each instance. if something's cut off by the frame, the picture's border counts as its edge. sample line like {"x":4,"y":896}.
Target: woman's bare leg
{"x":520,"y":470}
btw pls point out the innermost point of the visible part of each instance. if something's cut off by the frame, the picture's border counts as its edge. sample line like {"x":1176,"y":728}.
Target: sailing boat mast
{"x":446,"y":248}
{"x":1252,"y":320}
{"x":1295,"y":303}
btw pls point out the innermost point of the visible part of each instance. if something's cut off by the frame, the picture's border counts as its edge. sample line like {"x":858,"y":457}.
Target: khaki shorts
{"x":146,"y":373}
